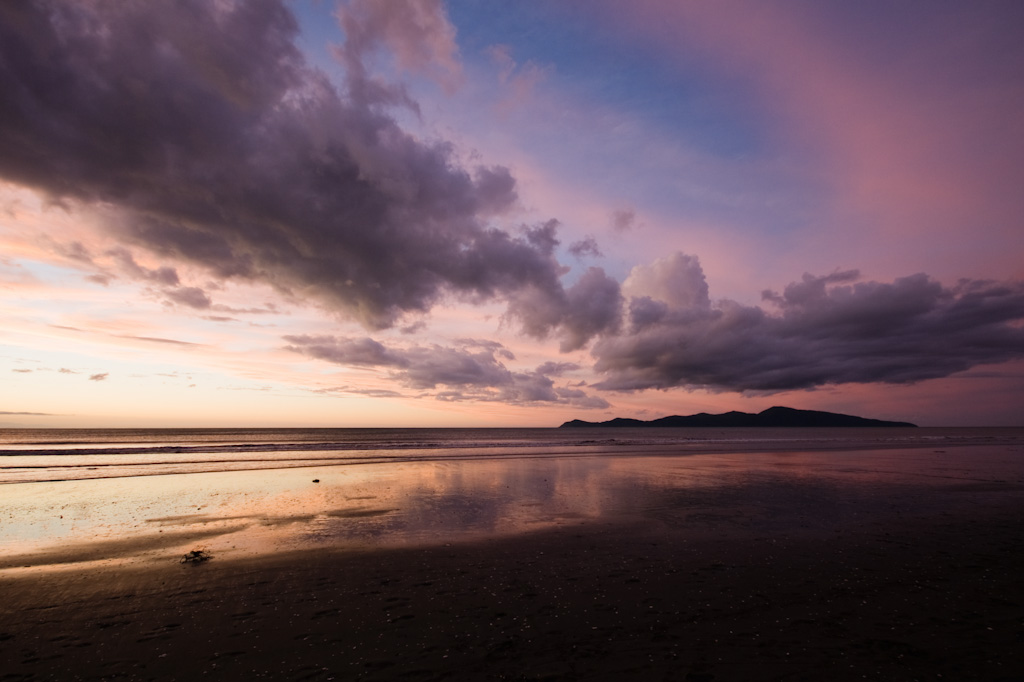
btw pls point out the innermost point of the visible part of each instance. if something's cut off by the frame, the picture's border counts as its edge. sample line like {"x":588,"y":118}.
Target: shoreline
{"x":241,"y":513}
{"x":938,"y":597}
{"x":87,"y":460}
{"x":784,"y":566}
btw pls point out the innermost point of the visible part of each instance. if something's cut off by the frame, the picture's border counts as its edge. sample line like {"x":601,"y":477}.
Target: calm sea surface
{"x":95,"y":497}
{"x":38,"y":455}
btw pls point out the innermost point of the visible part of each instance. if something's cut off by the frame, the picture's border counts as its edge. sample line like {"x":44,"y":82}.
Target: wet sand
{"x":776,"y":572}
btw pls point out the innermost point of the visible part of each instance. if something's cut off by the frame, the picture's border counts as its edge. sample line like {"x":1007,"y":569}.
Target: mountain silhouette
{"x":773,"y":416}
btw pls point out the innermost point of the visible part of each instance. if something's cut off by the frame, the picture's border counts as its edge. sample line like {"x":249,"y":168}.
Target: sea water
{"x":75,"y":497}
{"x":37,"y":455}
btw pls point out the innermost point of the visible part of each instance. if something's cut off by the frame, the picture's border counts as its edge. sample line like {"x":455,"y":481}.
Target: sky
{"x":374,"y":213}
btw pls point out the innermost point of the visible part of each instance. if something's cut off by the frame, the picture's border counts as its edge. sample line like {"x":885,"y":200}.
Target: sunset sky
{"x":476,"y":213}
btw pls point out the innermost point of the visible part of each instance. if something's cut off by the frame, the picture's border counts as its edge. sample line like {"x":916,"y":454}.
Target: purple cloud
{"x":75,"y":251}
{"x":824,"y":330}
{"x":218,"y":146}
{"x":585,"y":247}
{"x":471,"y":372}
{"x":623,"y":220}
{"x":165,"y":276}
{"x":367,"y":392}
{"x":590,"y":307}
{"x":192,"y":297}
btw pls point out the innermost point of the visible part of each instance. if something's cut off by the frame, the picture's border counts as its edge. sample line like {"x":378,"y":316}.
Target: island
{"x":773,"y":416}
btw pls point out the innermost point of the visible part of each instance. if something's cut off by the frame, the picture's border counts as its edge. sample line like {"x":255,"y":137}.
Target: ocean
{"x":38,"y":455}
{"x":102,"y":497}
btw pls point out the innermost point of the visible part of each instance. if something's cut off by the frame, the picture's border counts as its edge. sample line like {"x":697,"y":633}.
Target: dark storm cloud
{"x":216,"y":145}
{"x":470,"y":372}
{"x":590,"y":307}
{"x":824,"y":330}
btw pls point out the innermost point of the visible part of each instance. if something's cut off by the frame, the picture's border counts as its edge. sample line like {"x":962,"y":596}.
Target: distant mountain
{"x":773,"y":416}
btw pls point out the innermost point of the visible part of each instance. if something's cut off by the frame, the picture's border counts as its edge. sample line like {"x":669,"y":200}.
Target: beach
{"x":885,"y":564}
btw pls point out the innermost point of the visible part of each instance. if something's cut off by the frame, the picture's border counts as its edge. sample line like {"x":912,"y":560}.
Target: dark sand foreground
{"x":926,"y":585}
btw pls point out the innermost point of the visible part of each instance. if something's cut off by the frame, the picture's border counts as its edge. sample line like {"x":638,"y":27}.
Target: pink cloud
{"x":518,"y":80}
{"x":416,"y":31}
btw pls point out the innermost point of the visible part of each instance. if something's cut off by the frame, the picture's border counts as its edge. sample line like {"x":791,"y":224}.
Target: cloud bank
{"x":203,"y":131}
{"x":667,"y":332}
{"x":473,"y":371}
{"x":822,"y":330}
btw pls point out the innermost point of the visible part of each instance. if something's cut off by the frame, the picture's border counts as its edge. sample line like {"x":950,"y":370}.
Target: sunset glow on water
{"x":483,"y":483}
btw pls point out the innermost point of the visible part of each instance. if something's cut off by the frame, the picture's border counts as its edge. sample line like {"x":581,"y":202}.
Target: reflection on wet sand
{"x":840,"y":565}
{"x":237,"y":514}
